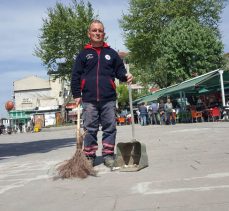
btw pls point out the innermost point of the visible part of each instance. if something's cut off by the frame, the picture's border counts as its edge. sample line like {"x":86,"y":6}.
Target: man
{"x":161,"y":110}
{"x":143,"y":114}
{"x":155,"y":115}
{"x":94,"y":72}
{"x":169,"y":112}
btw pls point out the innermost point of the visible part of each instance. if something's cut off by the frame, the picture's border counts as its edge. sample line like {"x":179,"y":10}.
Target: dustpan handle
{"x":131,"y":112}
{"x":131,"y":106}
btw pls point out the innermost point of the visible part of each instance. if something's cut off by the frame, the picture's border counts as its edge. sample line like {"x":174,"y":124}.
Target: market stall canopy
{"x":209,"y":81}
{"x":201,"y":84}
{"x":153,"y":96}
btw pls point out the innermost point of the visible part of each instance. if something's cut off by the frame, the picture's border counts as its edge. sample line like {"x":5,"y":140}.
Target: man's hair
{"x":95,"y":21}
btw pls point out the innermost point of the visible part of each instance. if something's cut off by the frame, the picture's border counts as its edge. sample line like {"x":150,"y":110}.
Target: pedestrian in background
{"x":169,"y":112}
{"x":143,"y":114}
{"x":155,"y":114}
{"x":161,"y":111}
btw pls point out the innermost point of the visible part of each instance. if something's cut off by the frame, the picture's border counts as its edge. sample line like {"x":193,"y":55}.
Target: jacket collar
{"x":89,"y":46}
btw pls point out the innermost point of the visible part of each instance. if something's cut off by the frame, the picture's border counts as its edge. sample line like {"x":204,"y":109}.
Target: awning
{"x":153,"y":96}
{"x":201,"y":84}
{"x":210,"y":79}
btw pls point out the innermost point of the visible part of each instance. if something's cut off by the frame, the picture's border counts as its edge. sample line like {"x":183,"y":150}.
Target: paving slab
{"x":188,"y":170}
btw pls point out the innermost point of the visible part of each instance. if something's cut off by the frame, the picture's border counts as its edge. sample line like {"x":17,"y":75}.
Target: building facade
{"x":38,"y":99}
{"x":34,"y":93}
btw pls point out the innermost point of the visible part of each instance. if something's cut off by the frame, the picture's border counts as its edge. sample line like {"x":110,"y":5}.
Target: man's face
{"x":96,"y":33}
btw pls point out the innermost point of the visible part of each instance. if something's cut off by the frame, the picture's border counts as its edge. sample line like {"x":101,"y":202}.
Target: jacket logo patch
{"x":89,"y":56}
{"x":108,"y":57}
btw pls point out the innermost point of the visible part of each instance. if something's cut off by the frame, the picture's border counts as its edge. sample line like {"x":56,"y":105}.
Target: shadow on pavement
{"x":42,"y":146}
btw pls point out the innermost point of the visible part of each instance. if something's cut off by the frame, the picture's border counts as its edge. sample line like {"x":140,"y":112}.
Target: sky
{"x":20,"y":24}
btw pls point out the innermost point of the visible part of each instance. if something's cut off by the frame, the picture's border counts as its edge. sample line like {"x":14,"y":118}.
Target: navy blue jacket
{"x":94,"y":73}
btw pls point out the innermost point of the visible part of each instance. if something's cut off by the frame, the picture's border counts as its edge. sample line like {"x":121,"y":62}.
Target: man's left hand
{"x":129,"y":78}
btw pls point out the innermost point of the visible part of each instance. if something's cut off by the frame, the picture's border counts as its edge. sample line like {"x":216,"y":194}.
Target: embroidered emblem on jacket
{"x":108,"y":57}
{"x":89,"y":56}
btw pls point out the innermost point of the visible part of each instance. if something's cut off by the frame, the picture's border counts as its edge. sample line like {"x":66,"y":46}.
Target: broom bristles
{"x":78,"y":166}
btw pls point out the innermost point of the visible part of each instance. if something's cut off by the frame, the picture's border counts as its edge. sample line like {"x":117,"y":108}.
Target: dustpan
{"x":130,"y":156}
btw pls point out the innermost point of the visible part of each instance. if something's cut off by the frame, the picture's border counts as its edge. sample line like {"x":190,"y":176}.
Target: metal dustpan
{"x":131,"y":156}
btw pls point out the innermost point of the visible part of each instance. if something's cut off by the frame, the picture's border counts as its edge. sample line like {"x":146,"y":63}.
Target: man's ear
{"x":88,"y":34}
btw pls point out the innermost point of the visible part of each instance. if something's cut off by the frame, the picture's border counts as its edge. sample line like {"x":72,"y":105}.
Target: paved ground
{"x":188,"y":170}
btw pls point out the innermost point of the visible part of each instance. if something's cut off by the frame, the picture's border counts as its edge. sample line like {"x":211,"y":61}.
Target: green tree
{"x":146,"y":21}
{"x":63,"y":35}
{"x":187,"y":49}
{"x":122,"y":96}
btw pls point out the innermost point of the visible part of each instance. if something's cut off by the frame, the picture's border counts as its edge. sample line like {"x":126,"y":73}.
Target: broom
{"x":78,"y":166}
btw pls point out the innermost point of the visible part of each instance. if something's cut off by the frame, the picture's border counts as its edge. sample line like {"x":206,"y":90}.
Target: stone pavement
{"x":188,"y":170}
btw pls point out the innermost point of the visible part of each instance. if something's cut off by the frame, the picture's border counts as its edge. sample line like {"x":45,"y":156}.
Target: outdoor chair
{"x":173,"y":117}
{"x":214,"y":114}
{"x":121,"y":120}
{"x":196,"y":115}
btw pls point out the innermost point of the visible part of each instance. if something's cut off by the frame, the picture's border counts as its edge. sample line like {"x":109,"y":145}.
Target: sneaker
{"x":108,"y":161}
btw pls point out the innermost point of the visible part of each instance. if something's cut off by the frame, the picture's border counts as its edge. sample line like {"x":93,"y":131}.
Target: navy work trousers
{"x":94,"y":114}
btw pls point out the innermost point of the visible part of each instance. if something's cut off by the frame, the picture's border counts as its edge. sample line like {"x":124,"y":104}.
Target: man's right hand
{"x":77,"y":101}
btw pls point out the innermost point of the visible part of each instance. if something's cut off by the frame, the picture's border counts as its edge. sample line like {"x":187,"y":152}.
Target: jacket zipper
{"x":97,"y":82}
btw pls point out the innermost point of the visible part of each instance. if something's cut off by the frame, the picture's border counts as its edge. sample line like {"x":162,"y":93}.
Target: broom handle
{"x":78,"y":144}
{"x":131,"y":106}
{"x":78,"y":117}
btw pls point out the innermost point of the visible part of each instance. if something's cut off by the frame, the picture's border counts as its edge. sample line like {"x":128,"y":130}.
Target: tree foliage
{"x":63,"y":35}
{"x":122,"y":96}
{"x":187,"y":49}
{"x":149,"y":20}
{"x":226,"y":59}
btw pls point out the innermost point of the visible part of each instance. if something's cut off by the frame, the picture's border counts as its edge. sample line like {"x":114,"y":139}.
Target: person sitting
{"x":227,"y":103}
{"x":226,"y":111}
{"x":199,"y":105}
